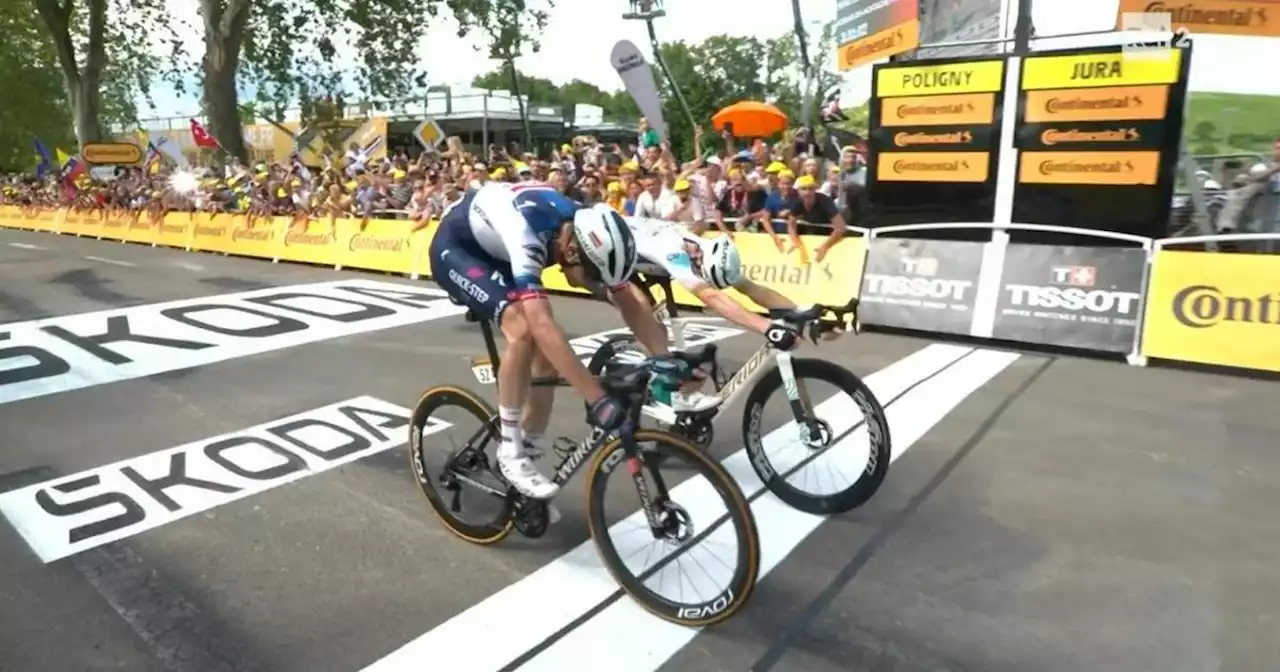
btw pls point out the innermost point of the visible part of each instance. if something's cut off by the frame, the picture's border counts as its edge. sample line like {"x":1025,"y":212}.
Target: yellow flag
{"x":63,"y":157}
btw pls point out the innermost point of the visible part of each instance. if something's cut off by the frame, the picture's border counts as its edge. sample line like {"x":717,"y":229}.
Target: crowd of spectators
{"x":783,"y":188}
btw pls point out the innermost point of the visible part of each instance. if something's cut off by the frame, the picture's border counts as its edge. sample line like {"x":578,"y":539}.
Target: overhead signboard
{"x":110,"y":153}
{"x":871,"y":30}
{"x":1079,"y":71}
{"x":1098,"y":135}
{"x":936,"y":122}
{"x":1214,"y":17}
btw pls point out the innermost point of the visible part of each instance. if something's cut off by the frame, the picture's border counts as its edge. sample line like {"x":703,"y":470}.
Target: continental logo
{"x":947,"y":110}
{"x":376,"y":244}
{"x":1205,"y":306}
{"x":1055,"y":136}
{"x":1115,"y":103}
{"x":914,"y":139}
{"x":246,"y":233}
{"x":1100,"y":168}
{"x":1230,"y":17}
{"x":202,"y":230}
{"x":888,"y":42}
{"x":302,"y":238}
{"x":786,"y":274}
{"x":107,"y":153}
{"x":933,"y":167}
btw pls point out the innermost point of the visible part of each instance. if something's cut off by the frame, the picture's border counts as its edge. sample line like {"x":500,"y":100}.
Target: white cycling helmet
{"x":720,"y":262}
{"x":607,"y":242}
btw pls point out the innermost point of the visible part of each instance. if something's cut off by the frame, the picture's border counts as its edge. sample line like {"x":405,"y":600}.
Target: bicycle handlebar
{"x":812,"y":318}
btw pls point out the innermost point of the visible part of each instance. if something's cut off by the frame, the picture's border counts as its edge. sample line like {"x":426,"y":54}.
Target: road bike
{"x":645,"y":451}
{"x":790,"y":374}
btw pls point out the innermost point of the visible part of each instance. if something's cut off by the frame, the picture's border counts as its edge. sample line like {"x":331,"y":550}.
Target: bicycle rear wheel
{"x":466,"y":467}
{"x":682,"y":533}
{"x":777,"y":478}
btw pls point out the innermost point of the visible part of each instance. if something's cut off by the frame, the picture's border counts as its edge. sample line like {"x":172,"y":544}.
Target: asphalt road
{"x":1043,"y":513}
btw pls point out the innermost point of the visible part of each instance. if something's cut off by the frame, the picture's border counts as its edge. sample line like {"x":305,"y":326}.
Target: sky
{"x":1228,"y":64}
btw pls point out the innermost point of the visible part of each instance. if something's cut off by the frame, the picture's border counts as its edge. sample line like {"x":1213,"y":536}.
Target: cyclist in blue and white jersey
{"x":489,"y":252}
{"x":705,"y":267}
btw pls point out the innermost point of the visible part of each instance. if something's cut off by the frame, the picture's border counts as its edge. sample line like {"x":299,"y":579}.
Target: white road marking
{"x":577,"y":582}
{"x":113,"y":262}
{"x":27,"y":246}
{"x":194,"y":268}
{"x":596,"y":643}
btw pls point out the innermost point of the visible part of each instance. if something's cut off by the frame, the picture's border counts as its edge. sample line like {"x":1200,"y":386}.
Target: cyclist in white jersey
{"x":705,"y":267}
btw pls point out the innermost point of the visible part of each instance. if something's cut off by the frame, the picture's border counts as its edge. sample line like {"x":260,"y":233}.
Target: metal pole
{"x":1022,"y":29}
{"x":484,"y":125}
{"x":662,"y":64}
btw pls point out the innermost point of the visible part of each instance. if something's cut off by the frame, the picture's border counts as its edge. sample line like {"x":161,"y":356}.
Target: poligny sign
{"x":67,"y":515}
{"x":59,"y":354}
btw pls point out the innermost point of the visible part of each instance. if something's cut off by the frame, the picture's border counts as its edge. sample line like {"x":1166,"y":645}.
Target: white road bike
{"x":758,"y":380}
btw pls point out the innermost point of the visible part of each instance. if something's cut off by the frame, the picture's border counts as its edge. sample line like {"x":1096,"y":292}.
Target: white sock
{"x":533,"y":437}
{"x":512,"y":438}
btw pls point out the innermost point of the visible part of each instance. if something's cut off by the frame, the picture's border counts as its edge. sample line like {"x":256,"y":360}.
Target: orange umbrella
{"x":750,"y":119}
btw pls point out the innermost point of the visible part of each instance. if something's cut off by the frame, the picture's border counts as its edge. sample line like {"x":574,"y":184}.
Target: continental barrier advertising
{"x":1220,"y":309}
{"x":1074,"y":297}
{"x":870,"y":30}
{"x":926,"y":285}
{"x":1098,"y":139}
{"x":935,"y":135}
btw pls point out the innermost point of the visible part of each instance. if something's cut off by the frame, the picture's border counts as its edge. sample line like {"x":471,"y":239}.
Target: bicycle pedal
{"x":532,"y":517}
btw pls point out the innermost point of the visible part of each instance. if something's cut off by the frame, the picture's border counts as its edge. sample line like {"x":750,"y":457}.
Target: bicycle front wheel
{"x":787,"y":472}
{"x":701,"y":539}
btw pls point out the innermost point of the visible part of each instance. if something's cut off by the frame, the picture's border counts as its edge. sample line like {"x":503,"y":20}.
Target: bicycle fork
{"x":801,"y":405}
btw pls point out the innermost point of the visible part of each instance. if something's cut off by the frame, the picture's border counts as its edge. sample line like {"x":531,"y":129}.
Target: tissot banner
{"x":1075,"y":297}
{"x":927,"y":285}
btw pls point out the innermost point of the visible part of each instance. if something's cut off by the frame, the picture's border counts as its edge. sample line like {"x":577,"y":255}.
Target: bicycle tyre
{"x":879,"y":456}
{"x":610,"y":349}
{"x":745,"y":575}
{"x":433,"y":399}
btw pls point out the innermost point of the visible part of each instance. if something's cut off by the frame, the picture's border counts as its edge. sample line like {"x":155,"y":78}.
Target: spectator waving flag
{"x":46,"y":158}
{"x":201,"y":137}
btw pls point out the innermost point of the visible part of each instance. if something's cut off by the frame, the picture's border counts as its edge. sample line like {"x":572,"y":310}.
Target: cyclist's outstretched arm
{"x":729,"y":309}
{"x":763,"y":296}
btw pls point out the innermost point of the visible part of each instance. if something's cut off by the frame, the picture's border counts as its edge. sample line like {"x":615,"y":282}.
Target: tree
{"x":508,"y":26}
{"x":35,"y":103}
{"x":80,"y":34}
{"x":616,"y":104}
{"x":288,"y":52}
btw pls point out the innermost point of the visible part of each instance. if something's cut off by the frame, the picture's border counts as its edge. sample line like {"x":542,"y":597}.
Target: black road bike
{"x":645,"y":452}
{"x":790,"y":374}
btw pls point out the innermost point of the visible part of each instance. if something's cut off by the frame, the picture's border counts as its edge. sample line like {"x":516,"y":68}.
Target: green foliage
{"x":617,"y":105}
{"x":1230,"y":123}
{"x":35,"y":103}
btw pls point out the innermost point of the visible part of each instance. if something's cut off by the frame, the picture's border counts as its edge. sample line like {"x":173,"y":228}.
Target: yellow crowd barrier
{"x":1212,"y":308}
{"x":387,"y":245}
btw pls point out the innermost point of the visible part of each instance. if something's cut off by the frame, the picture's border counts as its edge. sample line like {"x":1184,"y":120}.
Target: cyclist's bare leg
{"x":538,"y":405}
{"x":513,"y":393}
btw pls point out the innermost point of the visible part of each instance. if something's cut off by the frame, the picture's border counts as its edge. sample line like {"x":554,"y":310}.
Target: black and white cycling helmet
{"x":607,"y":243}
{"x":721,"y":265}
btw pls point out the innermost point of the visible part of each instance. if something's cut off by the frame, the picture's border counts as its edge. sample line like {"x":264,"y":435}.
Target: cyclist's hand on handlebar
{"x":607,"y":413}
{"x":782,"y":336}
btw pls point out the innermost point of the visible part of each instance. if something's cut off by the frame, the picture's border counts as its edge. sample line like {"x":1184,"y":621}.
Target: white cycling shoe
{"x":693,"y":402}
{"x":523,"y":475}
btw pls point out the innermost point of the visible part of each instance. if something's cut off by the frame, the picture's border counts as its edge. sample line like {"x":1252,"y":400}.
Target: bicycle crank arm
{"x":480,"y":486}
